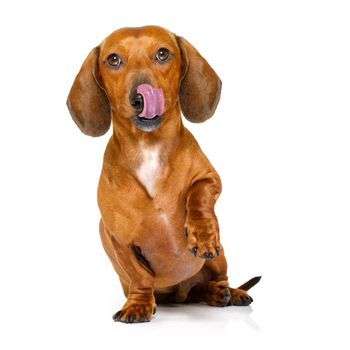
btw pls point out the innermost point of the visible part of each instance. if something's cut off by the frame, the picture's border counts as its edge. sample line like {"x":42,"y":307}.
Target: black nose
{"x":136,"y":100}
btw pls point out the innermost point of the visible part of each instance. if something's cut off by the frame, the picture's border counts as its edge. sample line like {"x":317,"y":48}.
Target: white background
{"x":279,"y":139}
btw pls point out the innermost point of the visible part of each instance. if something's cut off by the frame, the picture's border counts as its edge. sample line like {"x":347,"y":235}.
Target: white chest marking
{"x":149,"y":169}
{"x":165,"y":219}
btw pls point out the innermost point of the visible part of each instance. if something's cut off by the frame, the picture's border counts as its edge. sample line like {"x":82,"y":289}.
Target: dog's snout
{"x":136,"y":100}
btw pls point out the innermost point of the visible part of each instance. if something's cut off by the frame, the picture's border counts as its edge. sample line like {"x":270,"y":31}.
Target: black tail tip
{"x":257,"y":279}
{"x":251,"y":283}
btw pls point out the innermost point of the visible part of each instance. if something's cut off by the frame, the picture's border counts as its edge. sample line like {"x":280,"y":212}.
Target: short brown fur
{"x":163,"y":240}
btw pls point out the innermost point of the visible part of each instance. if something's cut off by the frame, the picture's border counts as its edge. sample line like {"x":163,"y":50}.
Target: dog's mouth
{"x":147,"y":124}
{"x":149,"y":102}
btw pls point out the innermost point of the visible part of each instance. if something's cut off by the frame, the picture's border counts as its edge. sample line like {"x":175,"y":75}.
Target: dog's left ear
{"x":200,"y":87}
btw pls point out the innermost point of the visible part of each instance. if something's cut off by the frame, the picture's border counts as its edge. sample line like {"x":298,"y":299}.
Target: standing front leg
{"x":136,"y":276}
{"x":201,"y":225}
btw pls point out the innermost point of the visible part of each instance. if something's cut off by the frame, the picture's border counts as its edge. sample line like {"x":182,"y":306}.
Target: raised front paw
{"x":203,"y":238}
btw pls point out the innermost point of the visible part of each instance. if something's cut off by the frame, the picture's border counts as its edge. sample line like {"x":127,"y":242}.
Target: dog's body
{"x":157,"y":189}
{"x":144,"y":201}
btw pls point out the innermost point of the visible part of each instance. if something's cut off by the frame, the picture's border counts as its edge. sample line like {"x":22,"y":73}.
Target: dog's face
{"x":139,"y":75}
{"x":131,"y":57}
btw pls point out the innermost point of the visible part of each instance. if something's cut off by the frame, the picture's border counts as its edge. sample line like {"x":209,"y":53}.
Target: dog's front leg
{"x":137,"y":278}
{"x":201,"y":225}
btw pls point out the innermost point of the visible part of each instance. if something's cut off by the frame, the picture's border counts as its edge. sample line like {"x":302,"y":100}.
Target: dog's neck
{"x":145,"y":154}
{"x":128,"y":138}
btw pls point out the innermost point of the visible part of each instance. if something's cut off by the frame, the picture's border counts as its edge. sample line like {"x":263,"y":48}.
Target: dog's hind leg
{"x":239,"y":296}
{"x":179,"y":293}
{"x":210,"y":285}
{"x":214,"y":288}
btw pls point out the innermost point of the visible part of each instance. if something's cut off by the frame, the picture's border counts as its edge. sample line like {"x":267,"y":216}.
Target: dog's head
{"x":141,"y":74}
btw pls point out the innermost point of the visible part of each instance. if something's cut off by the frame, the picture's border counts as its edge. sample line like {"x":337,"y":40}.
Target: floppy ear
{"x":200,"y":87}
{"x":87,"y":101}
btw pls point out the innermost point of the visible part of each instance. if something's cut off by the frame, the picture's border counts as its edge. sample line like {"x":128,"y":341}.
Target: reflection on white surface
{"x":206,"y":314}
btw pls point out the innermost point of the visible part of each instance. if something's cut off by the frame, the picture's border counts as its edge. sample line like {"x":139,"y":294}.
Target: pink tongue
{"x":153,"y":101}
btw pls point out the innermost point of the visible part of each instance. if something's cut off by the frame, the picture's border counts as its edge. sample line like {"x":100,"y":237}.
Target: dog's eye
{"x":114,"y":60}
{"x":162,"y":55}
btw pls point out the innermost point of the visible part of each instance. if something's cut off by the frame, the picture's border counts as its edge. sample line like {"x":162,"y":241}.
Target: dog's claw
{"x":185,"y":232}
{"x":130,"y":318}
{"x":207,"y":255}
{"x":194,"y":251}
{"x":116,"y":316}
{"x":224,"y":295}
{"x":144,"y":318}
{"x":217,"y":249}
{"x":244,"y":301}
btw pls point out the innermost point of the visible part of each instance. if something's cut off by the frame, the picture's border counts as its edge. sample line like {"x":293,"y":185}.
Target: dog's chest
{"x":149,"y":169}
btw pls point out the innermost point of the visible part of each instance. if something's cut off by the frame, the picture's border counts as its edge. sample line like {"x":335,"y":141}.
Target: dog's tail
{"x":250,"y":284}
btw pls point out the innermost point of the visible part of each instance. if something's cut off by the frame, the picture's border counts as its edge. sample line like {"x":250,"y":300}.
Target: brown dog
{"x":157,"y":189}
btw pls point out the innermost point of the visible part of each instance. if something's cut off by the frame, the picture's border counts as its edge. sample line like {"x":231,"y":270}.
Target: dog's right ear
{"x":87,"y":100}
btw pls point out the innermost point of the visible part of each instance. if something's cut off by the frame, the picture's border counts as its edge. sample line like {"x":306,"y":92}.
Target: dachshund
{"x":157,"y":190}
